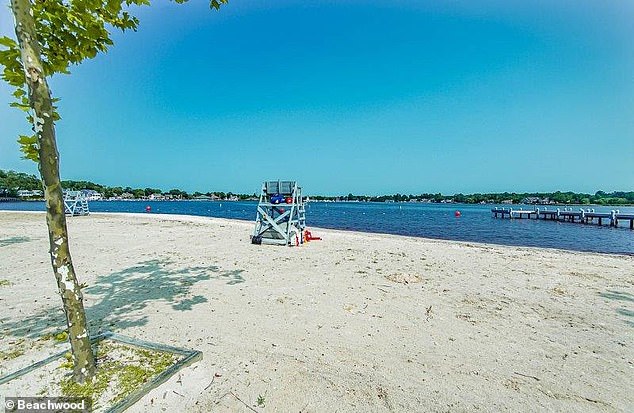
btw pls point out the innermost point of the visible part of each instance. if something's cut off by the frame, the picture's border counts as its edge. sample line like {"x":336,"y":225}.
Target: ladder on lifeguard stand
{"x":281,"y":215}
{"x":75,"y":203}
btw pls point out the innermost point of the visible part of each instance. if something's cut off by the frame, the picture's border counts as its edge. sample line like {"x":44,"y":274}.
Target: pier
{"x":582,"y":216}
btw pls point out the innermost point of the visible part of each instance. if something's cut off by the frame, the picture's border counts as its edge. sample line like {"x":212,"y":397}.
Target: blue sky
{"x":353,"y":96}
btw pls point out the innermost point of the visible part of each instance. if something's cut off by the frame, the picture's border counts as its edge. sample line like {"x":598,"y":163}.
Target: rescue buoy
{"x":308,"y":236}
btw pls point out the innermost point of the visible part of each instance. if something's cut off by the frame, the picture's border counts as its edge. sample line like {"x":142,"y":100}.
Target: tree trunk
{"x":42,"y":107}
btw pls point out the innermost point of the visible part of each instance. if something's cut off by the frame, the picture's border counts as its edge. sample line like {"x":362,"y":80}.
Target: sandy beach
{"x":353,"y":323}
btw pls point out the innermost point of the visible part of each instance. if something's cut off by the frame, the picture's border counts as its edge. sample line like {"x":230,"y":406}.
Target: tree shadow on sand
{"x":13,"y":240}
{"x":621,"y":296}
{"x":119,"y":298}
{"x":617,"y":295}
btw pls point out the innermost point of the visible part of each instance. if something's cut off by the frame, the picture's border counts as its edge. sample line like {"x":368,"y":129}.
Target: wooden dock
{"x":583,"y":216}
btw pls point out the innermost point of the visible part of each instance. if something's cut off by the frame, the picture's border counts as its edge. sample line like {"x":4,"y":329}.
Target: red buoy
{"x":289,"y":200}
{"x":148,"y":209}
{"x":457,"y":214}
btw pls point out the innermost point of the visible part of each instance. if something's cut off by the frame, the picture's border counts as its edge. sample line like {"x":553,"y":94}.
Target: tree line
{"x":11,"y":182}
{"x":558,"y":197}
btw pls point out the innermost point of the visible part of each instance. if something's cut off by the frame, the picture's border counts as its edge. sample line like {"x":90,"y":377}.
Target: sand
{"x":356,"y":322}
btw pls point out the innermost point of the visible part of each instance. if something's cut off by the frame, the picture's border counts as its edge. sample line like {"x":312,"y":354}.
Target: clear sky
{"x":353,"y":96}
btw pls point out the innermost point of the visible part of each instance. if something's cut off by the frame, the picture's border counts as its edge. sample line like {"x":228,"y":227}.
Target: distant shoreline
{"x":18,"y":200}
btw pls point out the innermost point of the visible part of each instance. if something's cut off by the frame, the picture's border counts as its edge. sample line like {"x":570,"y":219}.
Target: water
{"x":419,"y":220}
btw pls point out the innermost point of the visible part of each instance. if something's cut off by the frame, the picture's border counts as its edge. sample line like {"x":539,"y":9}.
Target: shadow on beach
{"x":121,"y":297}
{"x":13,"y":240}
{"x":621,"y":296}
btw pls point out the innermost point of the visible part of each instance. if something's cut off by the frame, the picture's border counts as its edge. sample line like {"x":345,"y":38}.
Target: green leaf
{"x":29,"y":147}
{"x":22,"y":107}
{"x":19,"y":93}
{"x":215,"y":4}
{"x":8,"y":42}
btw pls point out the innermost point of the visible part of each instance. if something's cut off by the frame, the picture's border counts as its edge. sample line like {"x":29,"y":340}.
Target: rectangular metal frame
{"x":189,"y":357}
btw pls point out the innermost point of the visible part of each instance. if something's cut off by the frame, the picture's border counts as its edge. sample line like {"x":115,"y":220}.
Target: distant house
{"x":92,"y":195}
{"x":156,"y":197}
{"x":531,"y":200}
{"x":127,"y":195}
{"x":203,"y":198}
{"x":507,"y":201}
{"x":536,"y":200}
{"x":28,"y":193}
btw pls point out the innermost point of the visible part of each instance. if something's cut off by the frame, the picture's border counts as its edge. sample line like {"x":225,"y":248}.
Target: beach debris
{"x":467,"y":317}
{"x":526,"y":375}
{"x":261,"y":401}
{"x":212,"y":380}
{"x":382,"y":395}
{"x":428,"y":314}
{"x":404,"y":278}
{"x":241,"y":401}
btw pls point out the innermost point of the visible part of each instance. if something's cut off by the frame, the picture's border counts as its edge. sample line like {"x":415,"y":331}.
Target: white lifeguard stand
{"x":281,"y":216}
{"x":75,"y":203}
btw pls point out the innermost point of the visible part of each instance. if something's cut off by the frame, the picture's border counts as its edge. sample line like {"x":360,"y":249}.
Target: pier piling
{"x":583,"y":216}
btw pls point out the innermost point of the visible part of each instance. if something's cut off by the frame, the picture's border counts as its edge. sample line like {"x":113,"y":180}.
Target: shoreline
{"x":202,"y":218}
{"x":16,"y":200}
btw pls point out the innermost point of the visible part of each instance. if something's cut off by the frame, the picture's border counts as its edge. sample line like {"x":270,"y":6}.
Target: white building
{"x":28,"y":193}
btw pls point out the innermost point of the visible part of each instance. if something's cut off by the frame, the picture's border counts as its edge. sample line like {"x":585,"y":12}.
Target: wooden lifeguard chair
{"x":281,"y":216}
{"x":75,"y":203}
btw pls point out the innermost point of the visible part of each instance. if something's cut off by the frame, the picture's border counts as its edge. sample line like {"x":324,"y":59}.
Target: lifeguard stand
{"x":281,"y":216}
{"x":75,"y":203}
